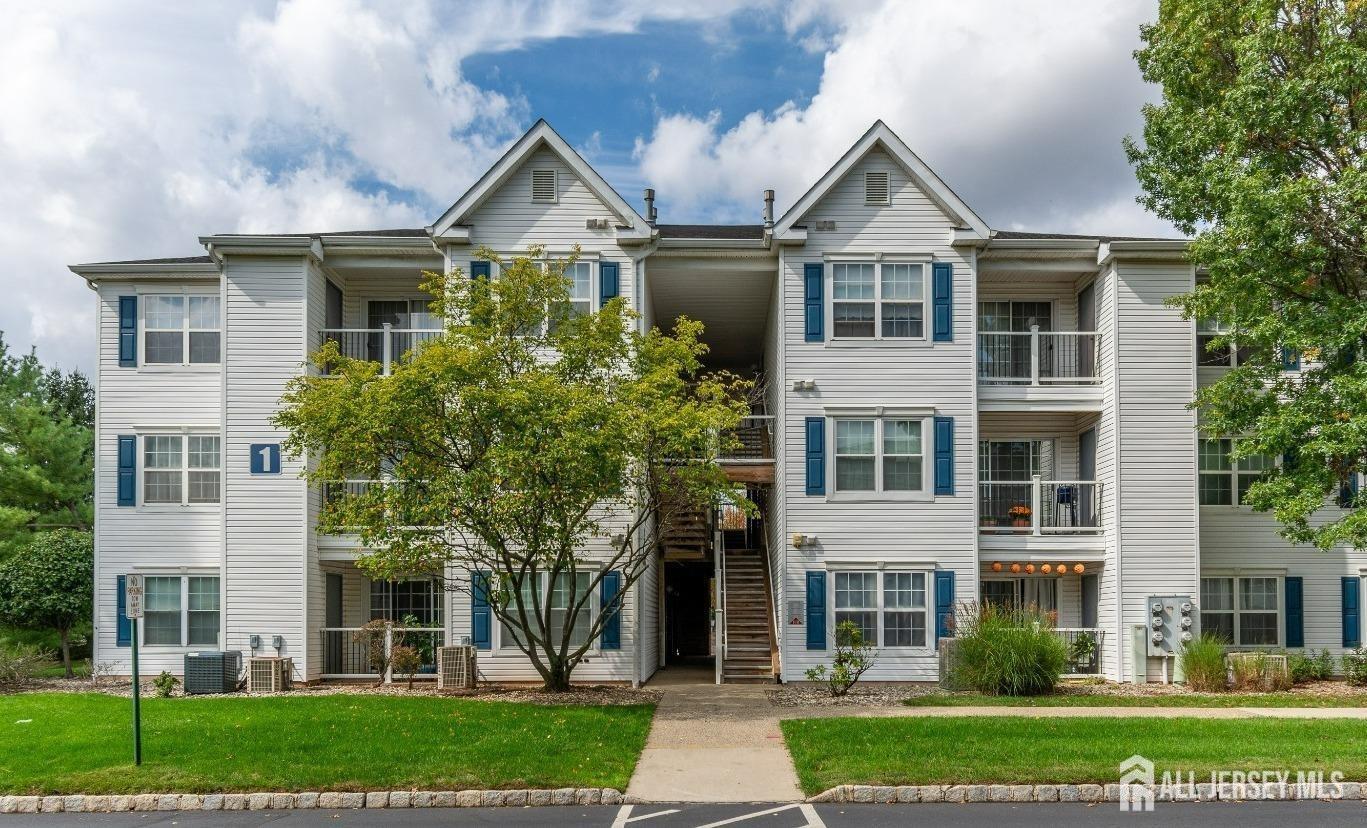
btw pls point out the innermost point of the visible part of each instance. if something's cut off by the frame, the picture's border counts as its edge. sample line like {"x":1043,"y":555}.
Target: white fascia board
{"x":129,"y":272}
{"x":1167,"y":249}
{"x":219,"y":246}
{"x":793,"y":235}
{"x":541,"y":134}
{"x":999,"y":245}
{"x":967,"y":236}
{"x":881,"y":135}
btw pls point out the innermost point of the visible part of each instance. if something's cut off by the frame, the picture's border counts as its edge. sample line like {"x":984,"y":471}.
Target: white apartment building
{"x":951,"y":414}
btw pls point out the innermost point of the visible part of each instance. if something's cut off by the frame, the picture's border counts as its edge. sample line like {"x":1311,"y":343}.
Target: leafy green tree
{"x":48,"y":585}
{"x":523,"y":435}
{"x":1258,"y":150}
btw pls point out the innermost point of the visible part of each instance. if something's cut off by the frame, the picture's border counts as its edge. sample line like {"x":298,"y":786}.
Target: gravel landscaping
{"x":872,"y":694}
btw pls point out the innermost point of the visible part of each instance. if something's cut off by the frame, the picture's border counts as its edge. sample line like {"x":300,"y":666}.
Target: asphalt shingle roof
{"x":711,"y":231}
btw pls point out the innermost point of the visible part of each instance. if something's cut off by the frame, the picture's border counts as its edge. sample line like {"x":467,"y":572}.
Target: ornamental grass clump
{"x":1008,"y":652}
{"x":1203,"y":663}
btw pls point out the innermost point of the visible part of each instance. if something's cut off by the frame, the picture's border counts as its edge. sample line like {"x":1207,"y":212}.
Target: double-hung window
{"x":1223,"y":356}
{"x":181,"y":330}
{"x":1223,"y":480}
{"x":579,"y":277}
{"x":561,"y":595}
{"x":181,"y":611}
{"x":180,"y":469}
{"x":419,"y":600}
{"x":878,"y":300}
{"x":1243,"y":611}
{"x":888,"y":608}
{"x":880,"y":455}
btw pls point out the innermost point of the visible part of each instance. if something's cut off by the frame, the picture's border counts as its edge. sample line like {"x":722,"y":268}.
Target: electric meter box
{"x":1170,"y":622}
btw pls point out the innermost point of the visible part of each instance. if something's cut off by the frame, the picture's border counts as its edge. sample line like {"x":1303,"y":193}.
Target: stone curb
{"x":1201,"y":792}
{"x":87,"y":804}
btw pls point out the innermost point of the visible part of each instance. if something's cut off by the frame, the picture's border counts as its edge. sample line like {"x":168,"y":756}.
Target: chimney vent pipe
{"x":768,"y":208}
{"x":650,"y":205}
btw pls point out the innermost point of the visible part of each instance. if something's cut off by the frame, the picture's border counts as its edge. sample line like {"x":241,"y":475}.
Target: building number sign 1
{"x":265,"y":458}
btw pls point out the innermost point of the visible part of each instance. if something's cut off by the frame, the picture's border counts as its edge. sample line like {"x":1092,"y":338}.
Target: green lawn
{"x":1022,"y":750}
{"x":1098,"y":700}
{"x":82,"y":743}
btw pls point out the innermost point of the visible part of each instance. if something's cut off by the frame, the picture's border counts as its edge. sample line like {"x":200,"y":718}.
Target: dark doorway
{"x":332,"y":656}
{"x":688,"y":612}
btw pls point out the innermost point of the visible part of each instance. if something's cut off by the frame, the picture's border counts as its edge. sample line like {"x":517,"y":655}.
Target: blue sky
{"x":133,"y":128}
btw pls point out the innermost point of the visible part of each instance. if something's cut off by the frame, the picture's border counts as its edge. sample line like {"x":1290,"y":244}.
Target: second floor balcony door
{"x":403,"y":316}
{"x":1006,"y":342}
{"x":1005,"y":469}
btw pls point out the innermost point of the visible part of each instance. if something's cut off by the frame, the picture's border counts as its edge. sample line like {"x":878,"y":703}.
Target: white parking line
{"x":624,"y":816}
{"x":813,"y":821}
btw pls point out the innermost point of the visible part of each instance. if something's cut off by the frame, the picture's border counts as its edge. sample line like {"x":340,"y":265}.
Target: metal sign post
{"x":133,"y":587}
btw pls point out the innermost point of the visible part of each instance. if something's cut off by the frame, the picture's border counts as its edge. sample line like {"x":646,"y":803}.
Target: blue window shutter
{"x":611,"y":636}
{"x":944,"y":604}
{"x":1295,"y":604}
{"x":816,"y":610}
{"x":816,"y":455}
{"x":479,"y":270}
{"x":814,"y":311}
{"x":944,"y":455}
{"x":123,"y":636}
{"x":1352,"y":612}
{"x":608,"y":283}
{"x":128,"y":331}
{"x":481,"y":620}
{"x":1291,"y":359}
{"x":1348,"y":491}
{"x":128,"y":470}
{"x":942,"y":301}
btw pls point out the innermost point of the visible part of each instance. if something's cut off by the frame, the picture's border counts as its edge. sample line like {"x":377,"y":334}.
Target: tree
{"x":47,"y":585}
{"x":46,"y":448}
{"x":526,"y":434}
{"x":1258,"y":149}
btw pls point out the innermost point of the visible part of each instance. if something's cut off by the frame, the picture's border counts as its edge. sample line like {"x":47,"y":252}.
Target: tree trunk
{"x":557,"y":677}
{"x":66,"y":652}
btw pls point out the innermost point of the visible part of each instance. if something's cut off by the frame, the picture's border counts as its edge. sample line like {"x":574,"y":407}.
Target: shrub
{"x":165,"y":684}
{"x":1203,"y":663}
{"x":1259,"y":673}
{"x":19,"y":663}
{"x":1307,"y":667}
{"x":406,"y":661}
{"x":1008,"y":652}
{"x":1355,"y":667}
{"x":853,"y":658}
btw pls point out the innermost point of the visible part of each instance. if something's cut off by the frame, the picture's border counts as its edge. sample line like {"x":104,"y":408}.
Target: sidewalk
{"x":1073,"y":712}
{"x":713,"y":743}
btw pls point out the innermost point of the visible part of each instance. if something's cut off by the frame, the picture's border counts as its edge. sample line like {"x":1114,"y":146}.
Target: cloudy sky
{"x":131,"y":128}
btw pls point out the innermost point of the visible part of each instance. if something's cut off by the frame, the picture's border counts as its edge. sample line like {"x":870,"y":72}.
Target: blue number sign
{"x":265,"y":458}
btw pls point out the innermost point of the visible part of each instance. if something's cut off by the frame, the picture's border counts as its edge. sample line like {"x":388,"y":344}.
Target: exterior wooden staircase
{"x":688,"y":535}
{"x":748,"y":619}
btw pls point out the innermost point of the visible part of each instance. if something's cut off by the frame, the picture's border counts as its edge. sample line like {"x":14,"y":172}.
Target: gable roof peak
{"x":880,"y":134}
{"x":538,"y":135}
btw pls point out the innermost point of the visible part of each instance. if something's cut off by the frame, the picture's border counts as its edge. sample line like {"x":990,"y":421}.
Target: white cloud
{"x":132,"y":128}
{"x":1019,"y":106}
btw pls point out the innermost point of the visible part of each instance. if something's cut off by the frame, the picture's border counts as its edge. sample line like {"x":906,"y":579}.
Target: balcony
{"x":362,"y":652}
{"x":1039,"y":507}
{"x":1040,"y":370}
{"x":748,"y":452}
{"x":1084,"y":649}
{"x":385,"y":345}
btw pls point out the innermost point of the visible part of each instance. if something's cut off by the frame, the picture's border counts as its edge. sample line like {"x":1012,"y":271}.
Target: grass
{"x":53,"y":743}
{"x":1100,"y":700}
{"x":1020,"y":750}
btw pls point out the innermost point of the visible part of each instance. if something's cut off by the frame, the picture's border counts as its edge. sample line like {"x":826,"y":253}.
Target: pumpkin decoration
{"x":996,"y":566}
{"x":1046,"y":569}
{"x":1061,"y":568}
{"x":1030,"y":569}
{"x":1079,"y":568}
{"x":1015,"y":567}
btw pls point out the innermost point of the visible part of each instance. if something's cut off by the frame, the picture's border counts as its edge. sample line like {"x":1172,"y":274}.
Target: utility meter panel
{"x":1172,"y":622}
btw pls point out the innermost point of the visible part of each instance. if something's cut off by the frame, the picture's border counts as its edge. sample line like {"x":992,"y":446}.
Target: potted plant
{"x":1020,"y":515}
{"x":1083,"y":650}
{"x":988,"y":520}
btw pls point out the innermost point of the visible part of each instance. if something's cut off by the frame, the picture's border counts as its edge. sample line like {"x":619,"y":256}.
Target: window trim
{"x":183,"y":471}
{"x":878,"y":493}
{"x":881,"y":605}
{"x":878,"y":262}
{"x":184,"y":611}
{"x":1236,"y":611}
{"x":509,"y":649}
{"x":144,"y":304}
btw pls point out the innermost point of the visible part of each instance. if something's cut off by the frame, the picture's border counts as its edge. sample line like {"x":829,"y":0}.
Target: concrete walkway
{"x":713,"y":743}
{"x":1076,"y":712}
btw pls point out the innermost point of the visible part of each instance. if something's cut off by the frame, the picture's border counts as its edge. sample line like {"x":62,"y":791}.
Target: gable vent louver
{"x":543,"y":186}
{"x":876,"y":188}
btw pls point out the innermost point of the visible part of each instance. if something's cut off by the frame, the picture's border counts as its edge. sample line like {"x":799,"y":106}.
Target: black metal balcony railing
{"x":1038,"y":358}
{"x":1038,"y":506}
